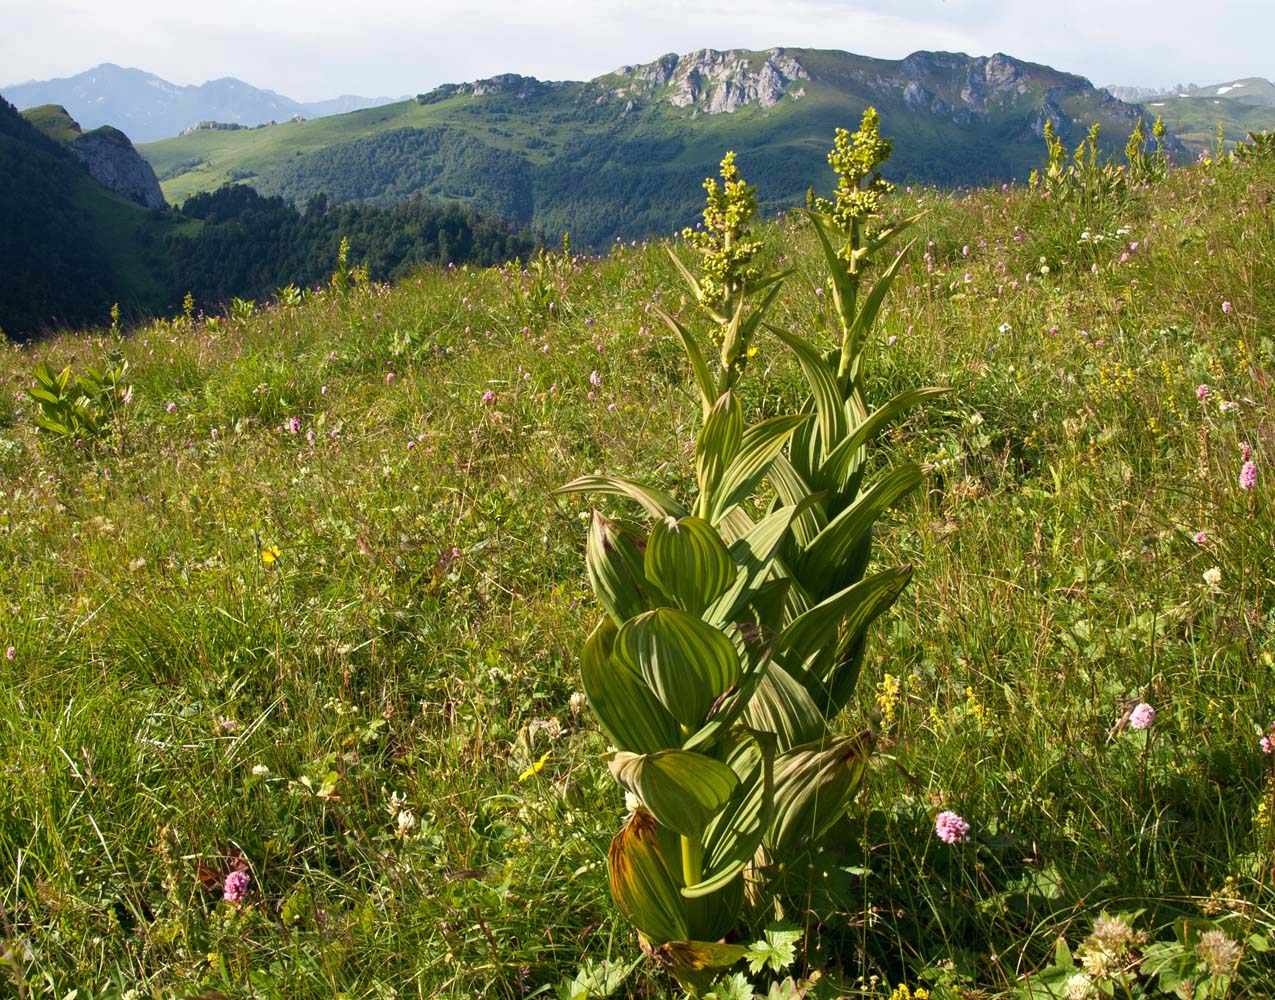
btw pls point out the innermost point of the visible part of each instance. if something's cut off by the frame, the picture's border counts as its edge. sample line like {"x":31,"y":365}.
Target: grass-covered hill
{"x":1194,"y":118}
{"x":69,"y":248}
{"x":310,"y":615}
{"x":625,"y":154}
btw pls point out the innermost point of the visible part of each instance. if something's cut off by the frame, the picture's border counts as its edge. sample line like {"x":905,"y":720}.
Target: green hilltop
{"x":625,"y":154}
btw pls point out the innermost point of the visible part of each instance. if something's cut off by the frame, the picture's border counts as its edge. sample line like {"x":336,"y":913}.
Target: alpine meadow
{"x":869,"y":598}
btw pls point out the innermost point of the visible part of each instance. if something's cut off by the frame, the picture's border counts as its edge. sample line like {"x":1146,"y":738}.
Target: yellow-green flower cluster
{"x":724,"y":246}
{"x":861,"y":190}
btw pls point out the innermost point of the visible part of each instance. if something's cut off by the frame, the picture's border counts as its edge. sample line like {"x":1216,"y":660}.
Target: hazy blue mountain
{"x":146,"y":107}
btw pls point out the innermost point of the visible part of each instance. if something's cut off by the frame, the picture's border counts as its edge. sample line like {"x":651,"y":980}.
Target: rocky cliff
{"x":106,"y":153}
{"x":714,"y":82}
{"x":112,"y":161}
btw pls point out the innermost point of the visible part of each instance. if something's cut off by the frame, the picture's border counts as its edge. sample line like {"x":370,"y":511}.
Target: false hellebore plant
{"x":731,"y":645}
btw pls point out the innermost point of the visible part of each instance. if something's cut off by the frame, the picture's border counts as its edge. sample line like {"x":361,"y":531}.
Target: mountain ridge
{"x":148,"y":107}
{"x":625,"y":154}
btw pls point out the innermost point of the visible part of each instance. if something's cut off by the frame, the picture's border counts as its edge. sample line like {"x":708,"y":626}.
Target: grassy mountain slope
{"x":1194,"y":119}
{"x":377,"y":724}
{"x":626,"y":154}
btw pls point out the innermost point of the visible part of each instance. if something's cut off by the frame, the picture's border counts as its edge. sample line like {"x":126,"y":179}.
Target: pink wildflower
{"x":294,"y":425}
{"x":951,"y":829}
{"x":236,"y":887}
{"x":891,"y":341}
{"x":389,"y":377}
{"x":1246,"y":451}
{"x":595,"y":379}
{"x":489,"y":397}
{"x":590,"y":397}
{"x":10,"y":653}
{"x":1226,"y":307}
{"x":309,"y":437}
{"x":610,"y":407}
{"x":1142,"y":716}
{"x":1267,"y":742}
{"x":170,"y":407}
{"x":1202,"y":392}
{"x":1201,"y":537}
{"x":1248,"y":476}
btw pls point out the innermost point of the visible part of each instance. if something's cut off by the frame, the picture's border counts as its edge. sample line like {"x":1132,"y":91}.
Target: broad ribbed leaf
{"x":753,"y":555}
{"x":688,"y":560}
{"x":655,"y":502}
{"x":641,"y":883}
{"x":718,"y":442}
{"x":755,"y":648}
{"x":681,"y":957}
{"x":793,"y":490}
{"x":699,"y":367}
{"x":784,"y":707}
{"x":686,"y":663}
{"x":757,"y":450}
{"x":842,"y":284}
{"x":734,"y":525}
{"x":732,"y":838}
{"x":829,"y":405}
{"x":834,"y":543}
{"x":682,"y":790}
{"x":884,"y":236}
{"x":830,"y":624}
{"x":813,"y":786}
{"x":614,"y":563}
{"x":629,"y":713}
{"x":872,"y":304}
{"x":843,"y":460}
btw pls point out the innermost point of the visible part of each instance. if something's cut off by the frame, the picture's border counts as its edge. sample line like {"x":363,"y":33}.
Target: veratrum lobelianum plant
{"x":731,"y":645}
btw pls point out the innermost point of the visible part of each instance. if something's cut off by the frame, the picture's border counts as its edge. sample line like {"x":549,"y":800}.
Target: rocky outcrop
{"x":112,"y":161}
{"x":713,"y":82}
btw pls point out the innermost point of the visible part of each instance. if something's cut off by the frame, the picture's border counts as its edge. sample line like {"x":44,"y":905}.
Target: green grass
{"x":53,"y":121}
{"x":178,"y":707}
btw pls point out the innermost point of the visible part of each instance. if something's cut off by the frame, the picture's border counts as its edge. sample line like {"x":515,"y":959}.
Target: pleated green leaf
{"x":641,"y":883}
{"x":783,"y":706}
{"x":627,"y":710}
{"x":758,"y":448}
{"x":793,"y":490}
{"x":614,"y":562}
{"x":718,"y":442}
{"x":814,"y":784}
{"x":732,"y":838}
{"x":872,"y":304}
{"x":844,"y":458}
{"x":688,"y":560}
{"x":830,"y":624}
{"x":699,"y":367}
{"x":834,"y":543}
{"x":655,"y":502}
{"x":822,"y":377}
{"x":687,"y":663}
{"x":683,"y":790}
{"x":754,"y":554}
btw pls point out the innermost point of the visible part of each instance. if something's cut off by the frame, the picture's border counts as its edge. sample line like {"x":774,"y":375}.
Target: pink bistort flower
{"x":236,"y":887}
{"x":1248,"y":476}
{"x":489,"y":397}
{"x":1202,"y":392}
{"x":950,"y":828}
{"x":1142,"y":716}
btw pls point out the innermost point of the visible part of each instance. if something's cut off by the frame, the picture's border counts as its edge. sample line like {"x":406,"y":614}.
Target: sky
{"x":313,"y":49}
